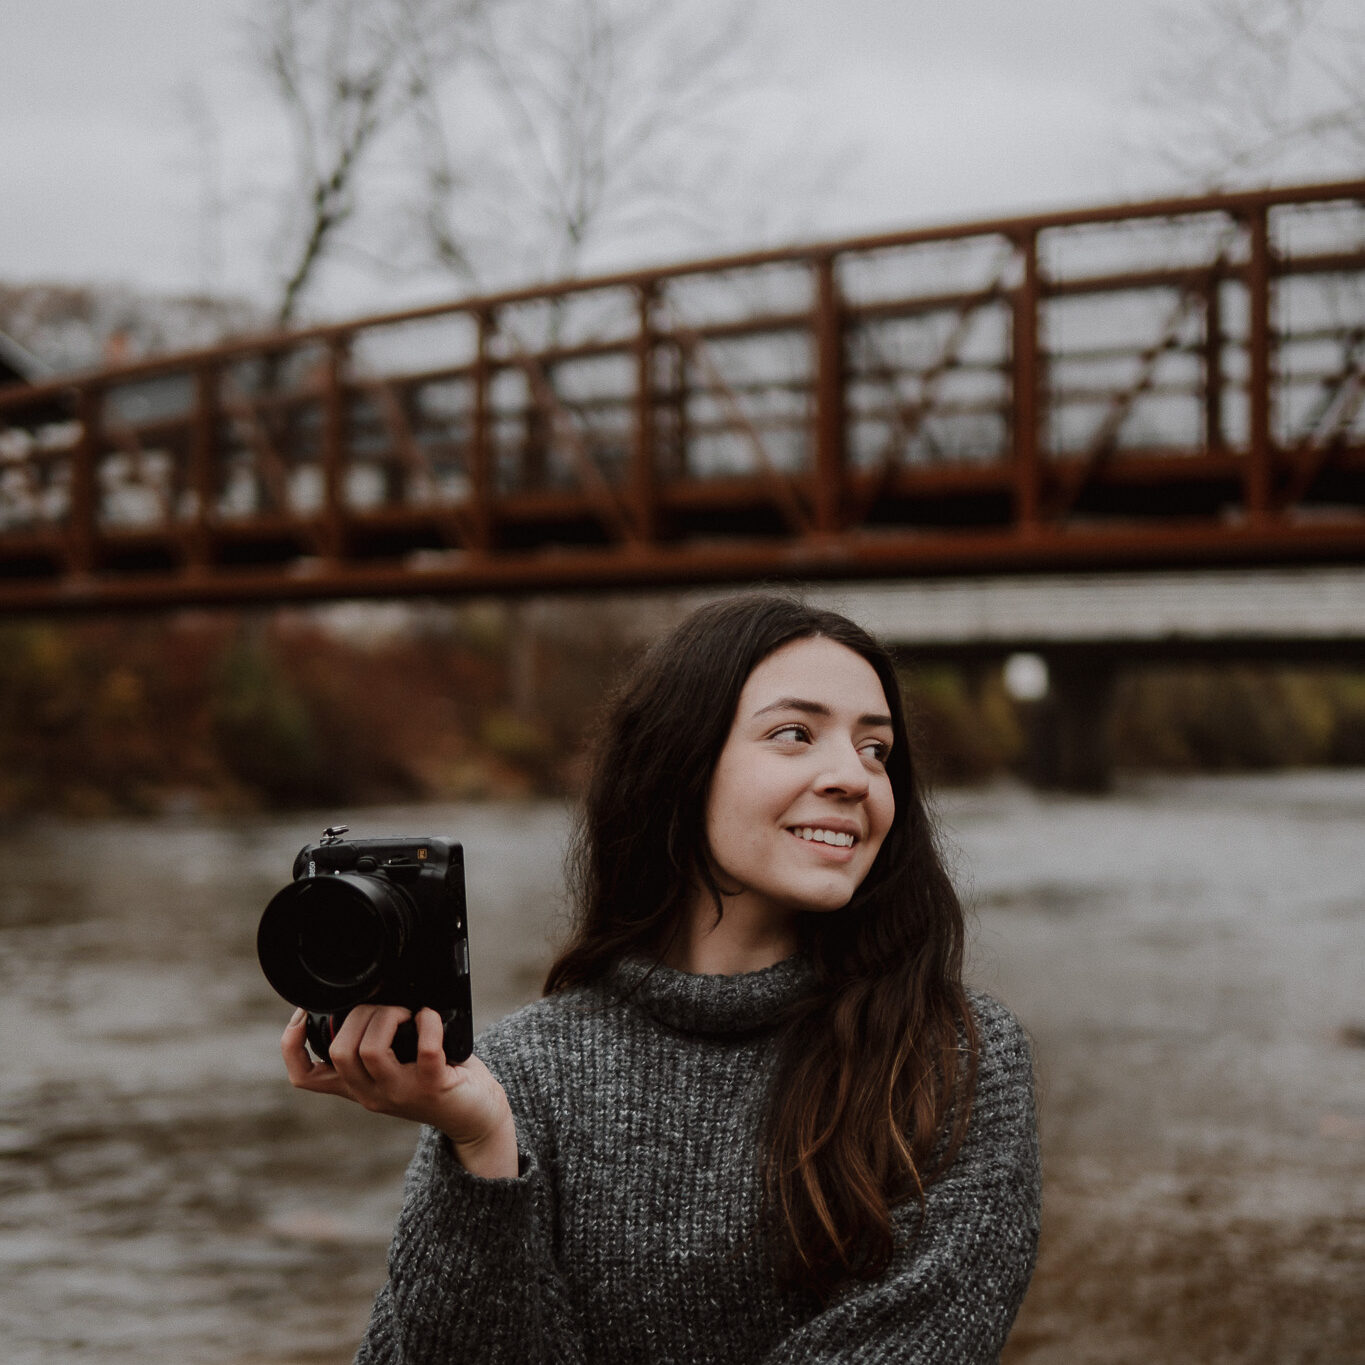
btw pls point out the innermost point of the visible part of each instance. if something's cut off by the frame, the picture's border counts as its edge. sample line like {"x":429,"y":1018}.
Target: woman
{"x":755,"y":1117}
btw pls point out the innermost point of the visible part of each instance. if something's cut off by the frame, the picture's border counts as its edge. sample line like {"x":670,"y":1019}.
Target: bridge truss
{"x":1169,"y":384}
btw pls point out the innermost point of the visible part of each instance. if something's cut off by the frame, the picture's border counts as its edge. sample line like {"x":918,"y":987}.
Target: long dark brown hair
{"x":877,"y":1063}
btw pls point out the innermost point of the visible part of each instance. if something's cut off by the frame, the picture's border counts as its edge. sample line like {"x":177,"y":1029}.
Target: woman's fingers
{"x":304,"y":1072}
{"x":431,"y":1051}
{"x":296,"y":1059}
{"x":362,"y":1051}
{"x":419,"y":1090}
{"x":464,"y":1101}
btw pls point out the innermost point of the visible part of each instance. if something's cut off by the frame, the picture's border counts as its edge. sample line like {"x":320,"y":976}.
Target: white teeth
{"x":824,"y":836}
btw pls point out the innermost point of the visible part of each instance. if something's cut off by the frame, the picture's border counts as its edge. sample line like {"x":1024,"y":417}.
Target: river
{"x":1188,"y":955}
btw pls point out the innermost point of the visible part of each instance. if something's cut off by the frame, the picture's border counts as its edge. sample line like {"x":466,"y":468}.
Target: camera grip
{"x":459,"y":1042}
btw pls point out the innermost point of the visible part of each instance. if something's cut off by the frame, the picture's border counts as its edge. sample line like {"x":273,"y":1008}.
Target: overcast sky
{"x":948,"y":108}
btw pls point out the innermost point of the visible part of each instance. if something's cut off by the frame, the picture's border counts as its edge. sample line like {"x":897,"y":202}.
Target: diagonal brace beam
{"x":781,"y":484}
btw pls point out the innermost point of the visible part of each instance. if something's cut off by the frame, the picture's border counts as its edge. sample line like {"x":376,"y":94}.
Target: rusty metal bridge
{"x":1167,"y":385}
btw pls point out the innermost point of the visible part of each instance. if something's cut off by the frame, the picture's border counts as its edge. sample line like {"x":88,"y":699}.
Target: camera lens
{"x":340,"y":939}
{"x":328,"y":942}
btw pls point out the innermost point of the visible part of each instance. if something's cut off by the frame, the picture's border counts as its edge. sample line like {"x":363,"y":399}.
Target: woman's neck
{"x":737,"y":942}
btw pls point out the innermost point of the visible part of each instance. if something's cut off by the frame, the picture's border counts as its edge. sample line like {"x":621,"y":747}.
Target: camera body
{"x":372,"y":922}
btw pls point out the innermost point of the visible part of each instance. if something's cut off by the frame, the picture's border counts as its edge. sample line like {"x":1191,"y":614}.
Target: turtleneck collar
{"x":695,"y":1003}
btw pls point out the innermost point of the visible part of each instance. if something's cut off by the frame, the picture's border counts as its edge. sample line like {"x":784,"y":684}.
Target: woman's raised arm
{"x":472,"y":1270}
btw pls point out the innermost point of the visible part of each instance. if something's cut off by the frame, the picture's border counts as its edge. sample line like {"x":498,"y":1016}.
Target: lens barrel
{"x":329,"y":942}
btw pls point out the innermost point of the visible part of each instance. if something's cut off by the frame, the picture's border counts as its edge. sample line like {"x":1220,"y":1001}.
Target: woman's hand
{"x":465,"y":1102}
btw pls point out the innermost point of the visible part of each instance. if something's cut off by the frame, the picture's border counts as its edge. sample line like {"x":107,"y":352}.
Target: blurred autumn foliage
{"x":1237,"y":718}
{"x":234,"y":712}
{"x":225,"y":712}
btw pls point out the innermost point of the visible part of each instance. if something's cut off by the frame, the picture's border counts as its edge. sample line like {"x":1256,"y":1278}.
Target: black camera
{"x":372,"y":922}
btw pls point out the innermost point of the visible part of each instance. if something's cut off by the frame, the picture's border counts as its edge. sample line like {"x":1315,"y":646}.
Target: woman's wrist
{"x":493,"y":1156}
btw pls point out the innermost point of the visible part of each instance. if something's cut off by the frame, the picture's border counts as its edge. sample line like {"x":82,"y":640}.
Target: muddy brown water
{"x":1188,"y":954}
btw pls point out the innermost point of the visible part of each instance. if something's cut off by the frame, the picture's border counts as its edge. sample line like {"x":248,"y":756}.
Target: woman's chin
{"x":829,"y":903}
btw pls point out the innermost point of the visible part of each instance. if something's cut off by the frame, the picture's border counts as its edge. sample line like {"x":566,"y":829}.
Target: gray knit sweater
{"x":628,"y":1235}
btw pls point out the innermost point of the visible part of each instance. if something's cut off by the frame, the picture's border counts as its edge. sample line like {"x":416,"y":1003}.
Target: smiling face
{"x":800,"y":800}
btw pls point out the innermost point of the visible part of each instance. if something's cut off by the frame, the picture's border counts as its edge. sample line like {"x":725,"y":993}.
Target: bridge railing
{"x":1099,"y":383}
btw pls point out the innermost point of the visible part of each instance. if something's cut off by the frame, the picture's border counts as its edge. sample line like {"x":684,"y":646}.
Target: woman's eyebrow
{"x":816,"y":708}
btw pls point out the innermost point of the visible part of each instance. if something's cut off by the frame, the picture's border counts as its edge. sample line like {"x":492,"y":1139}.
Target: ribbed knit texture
{"x":629,"y":1236}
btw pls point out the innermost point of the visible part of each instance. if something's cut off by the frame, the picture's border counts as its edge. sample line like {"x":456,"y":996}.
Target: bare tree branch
{"x":528,"y":137}
{"x":345,"y":73}
{"x":599,"y":116}
{"x":1256,"y":90}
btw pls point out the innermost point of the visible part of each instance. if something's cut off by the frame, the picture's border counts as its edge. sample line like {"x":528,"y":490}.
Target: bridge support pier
{"x":1069,"y":731}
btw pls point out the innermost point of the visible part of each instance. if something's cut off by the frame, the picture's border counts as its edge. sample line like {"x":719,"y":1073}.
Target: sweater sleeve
{"x":957,"y":1279}
{"x":472,"y":1272}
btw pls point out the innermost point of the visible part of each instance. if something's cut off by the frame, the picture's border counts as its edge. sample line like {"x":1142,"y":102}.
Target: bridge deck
{"x":1173,"y":384}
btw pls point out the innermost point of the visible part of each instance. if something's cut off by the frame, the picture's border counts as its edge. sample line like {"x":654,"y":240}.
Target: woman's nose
{"x":844,"y":771}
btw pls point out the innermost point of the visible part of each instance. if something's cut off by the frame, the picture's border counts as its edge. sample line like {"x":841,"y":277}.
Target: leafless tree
{"x":344,"y":73}
{"x":502,"y":140}
{"x":1258,"y":90}
{"x":584,"y":125}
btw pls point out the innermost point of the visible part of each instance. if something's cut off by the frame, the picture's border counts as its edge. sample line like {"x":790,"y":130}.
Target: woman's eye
{"x":792,"y":732}
{"x":877,"y":750}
